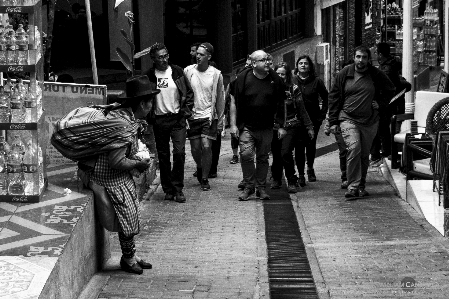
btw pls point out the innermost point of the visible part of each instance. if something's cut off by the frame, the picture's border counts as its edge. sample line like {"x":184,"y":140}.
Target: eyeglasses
{"x":163,"y":57}
{"x":264,"y":60}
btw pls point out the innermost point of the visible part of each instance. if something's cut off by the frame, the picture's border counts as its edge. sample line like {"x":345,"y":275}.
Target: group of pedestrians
{"x":270,"y":109}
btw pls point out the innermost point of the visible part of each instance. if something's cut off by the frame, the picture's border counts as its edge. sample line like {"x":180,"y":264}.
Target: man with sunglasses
{"x":172,"y":107}
{"x":257,"y":102}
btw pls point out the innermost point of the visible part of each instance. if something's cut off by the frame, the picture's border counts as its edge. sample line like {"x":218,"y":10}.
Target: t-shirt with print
{"x":167,"y":101}
{"x":202,"y":86}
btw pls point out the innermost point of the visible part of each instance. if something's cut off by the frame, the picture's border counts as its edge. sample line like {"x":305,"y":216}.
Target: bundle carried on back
{"x":86,"y":132}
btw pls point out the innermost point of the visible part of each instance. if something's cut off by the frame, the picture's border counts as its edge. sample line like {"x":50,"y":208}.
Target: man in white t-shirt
{"x":172,"y":107}
{"x":208,"y":108}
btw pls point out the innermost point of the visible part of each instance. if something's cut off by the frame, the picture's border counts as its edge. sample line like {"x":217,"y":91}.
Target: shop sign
{"x":328,"y":3}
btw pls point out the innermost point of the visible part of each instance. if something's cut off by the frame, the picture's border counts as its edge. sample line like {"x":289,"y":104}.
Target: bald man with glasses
{"x":257,"y":102}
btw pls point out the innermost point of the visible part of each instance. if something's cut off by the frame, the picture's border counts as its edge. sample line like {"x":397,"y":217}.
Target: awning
{"x":327,"y":3}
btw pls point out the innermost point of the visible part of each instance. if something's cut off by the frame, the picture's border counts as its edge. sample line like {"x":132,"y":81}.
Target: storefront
{"x":427,"y":37}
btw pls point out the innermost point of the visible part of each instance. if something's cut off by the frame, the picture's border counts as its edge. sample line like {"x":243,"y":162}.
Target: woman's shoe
{"x":144,"y":264}
{"x":311,"y":175}
{"x":135,"y":268}
{"x":302,"y":180}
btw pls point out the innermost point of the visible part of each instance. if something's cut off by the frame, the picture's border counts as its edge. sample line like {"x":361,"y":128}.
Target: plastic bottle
{"x":18,"y":112}
{"x":30,"y":105}
{"x":17,"y":144}
{"x":4,"y":146}
{"x":3,"y":53}
{"x":16,"y":185}
{"x":22,"y":46}
{"x":21,"y":87}
{"x":10,"y":45}
{"x":5,"y":110}
{"x":7,"y":87}
{"x":30,"y":170}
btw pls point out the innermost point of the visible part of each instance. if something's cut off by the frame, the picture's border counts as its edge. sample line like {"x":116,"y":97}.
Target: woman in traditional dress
{"x":112,"y":169}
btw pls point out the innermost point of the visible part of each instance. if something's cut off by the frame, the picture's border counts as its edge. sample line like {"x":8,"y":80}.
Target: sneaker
{"x":205,"y":185}
{"x":241,"y":185}
{"x":291,"y":187}
{"x":311,"y":175}
{"x":363,"y":192}
{"x":234,"y":160}
{"x":212,"y":175}
{"x":247,"y":192}
{"x":169,"y":196}
{"x":275,"y":184}
{"x":352,"y":194}
{"x":344,"y":185}
{"x":262,"y":194}
{"x":302,"y":180}
{"x":180,"y":197}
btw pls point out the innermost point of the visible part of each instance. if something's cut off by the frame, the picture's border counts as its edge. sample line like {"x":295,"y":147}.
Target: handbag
{"x":104,"y":208}
{"x":292,"y":122}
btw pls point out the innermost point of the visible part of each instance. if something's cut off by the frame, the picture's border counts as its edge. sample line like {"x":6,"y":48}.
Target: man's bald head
{"x":259,"y":60}
{"x":258,"y":54}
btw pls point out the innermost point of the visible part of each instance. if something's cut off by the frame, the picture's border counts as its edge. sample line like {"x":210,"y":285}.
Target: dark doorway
{"x":185,"y":24}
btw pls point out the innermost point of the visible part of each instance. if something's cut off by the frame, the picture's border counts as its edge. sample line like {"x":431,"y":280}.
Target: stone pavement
{"x":368,"y":248}
{"x":214,"y":246}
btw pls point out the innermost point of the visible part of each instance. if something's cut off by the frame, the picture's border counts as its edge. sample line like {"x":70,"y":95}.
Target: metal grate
{"x":288,"y":268}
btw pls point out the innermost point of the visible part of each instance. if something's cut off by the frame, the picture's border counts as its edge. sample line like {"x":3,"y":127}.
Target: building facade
{"x":284,"y":28}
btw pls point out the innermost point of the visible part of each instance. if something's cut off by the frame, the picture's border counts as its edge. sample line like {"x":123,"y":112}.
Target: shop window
{"x":239,"y":31}
{"x":279,"y":22}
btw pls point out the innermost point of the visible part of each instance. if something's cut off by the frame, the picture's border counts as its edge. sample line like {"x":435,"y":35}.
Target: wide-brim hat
{"x":139,"y":86}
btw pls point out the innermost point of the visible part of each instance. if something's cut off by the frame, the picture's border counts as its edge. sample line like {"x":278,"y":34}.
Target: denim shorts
{"x":201,"y":128}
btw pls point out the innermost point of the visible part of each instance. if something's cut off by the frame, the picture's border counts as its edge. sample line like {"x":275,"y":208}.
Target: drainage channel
{"x":289,"y":271}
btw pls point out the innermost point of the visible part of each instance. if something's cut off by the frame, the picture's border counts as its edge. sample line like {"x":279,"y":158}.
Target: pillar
{"x":446,"y":36}
{"x":407,"y":58}
{"x":220,"y":34}
{"x":251,"y":19}
{"x":151,"y":26}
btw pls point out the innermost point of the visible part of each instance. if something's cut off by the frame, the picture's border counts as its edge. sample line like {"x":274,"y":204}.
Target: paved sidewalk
{"x":366,"y":248}
{"x":212,"y":246}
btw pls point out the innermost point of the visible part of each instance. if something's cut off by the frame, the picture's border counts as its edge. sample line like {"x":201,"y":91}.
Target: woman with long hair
{"x":295,"y":119}
{"x":312,"y":89}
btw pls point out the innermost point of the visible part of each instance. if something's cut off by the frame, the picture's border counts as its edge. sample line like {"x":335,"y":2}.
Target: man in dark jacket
{"x":358,"y":92}
{"x":257,"y":96}
{"x":172,"y":107}
{"x":392,"y":67}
